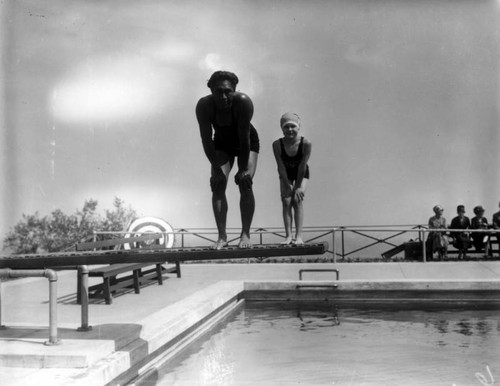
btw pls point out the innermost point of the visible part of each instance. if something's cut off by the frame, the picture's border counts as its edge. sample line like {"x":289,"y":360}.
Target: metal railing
{"x":343,"y":241}
{"x":51,"y":275}
{"x":337,"y":273}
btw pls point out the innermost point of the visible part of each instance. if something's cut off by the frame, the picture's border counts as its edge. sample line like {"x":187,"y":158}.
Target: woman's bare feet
{"x":299,"y":241}
{"x":287,"y":241}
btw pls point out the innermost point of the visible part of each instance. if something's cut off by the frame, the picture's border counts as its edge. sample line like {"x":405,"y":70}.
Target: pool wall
{"x":162,"y":333}
{"x":358,"y":291}
{"x":165,"y":333}
{"x":485,"y":292}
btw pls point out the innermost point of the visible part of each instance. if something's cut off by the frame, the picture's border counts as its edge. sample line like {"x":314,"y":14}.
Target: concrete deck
{"x":24,"y":358}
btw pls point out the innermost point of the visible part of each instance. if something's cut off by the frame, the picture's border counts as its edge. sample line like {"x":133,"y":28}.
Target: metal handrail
{"x":333,"y":286}
{"x":423,"y":230}
{"x":51,"y":275}
{"x":325,"y":231}
{"x":319,"y":270}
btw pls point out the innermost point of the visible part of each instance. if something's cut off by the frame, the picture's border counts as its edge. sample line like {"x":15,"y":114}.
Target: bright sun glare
{"x":111,"y":90}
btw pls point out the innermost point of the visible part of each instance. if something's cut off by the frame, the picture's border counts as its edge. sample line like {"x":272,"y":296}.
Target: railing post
{"x":333,"y":247}
{"x":83,"y":274}
{"x":52,"y":276}
{"x":1,"y":285}
{"x":424,"y":246}
{"x":343,"y":245}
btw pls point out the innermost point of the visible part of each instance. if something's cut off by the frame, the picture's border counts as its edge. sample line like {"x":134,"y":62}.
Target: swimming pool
{"x":324,"y":343}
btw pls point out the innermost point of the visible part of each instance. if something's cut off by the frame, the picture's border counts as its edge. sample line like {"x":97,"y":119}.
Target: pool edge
{"x":169,"y":327}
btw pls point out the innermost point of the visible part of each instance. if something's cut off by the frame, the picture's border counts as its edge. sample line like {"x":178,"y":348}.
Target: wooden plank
{"x":393,"y":251}
{"x":39,"y":261}
{"x":116,"y":269}
{"x":113,"y":242}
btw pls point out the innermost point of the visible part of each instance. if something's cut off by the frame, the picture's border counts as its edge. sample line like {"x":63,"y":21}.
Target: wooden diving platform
{"x":159,"y":255}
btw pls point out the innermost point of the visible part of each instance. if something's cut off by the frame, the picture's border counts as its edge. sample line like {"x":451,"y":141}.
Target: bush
{"x":58,"y":231}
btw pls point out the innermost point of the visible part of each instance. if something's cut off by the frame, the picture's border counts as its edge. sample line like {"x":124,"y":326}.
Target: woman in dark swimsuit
{"x":292,"y":154}
{"x":226,"y":133}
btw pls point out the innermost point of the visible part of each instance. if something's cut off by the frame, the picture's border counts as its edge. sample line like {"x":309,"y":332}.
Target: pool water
{"x":270,"y":344}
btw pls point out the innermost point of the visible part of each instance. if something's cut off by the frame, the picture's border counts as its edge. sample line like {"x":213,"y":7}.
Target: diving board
{"x":146,"y":255}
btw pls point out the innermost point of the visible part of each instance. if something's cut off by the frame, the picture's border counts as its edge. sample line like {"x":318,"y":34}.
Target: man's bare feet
{"x":299,"y":241}
{"x":219,"y":244}
{"x":287,"y":241}
{"x":245,"y":242}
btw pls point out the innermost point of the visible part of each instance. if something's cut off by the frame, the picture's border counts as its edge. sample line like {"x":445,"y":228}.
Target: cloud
{"x":177,"y":205}
{"x":365,"y":55}
{"x":214,"y":62}
{"x":113,"y":89}
{"x":250,"y":82}
{"x":171,"y":51}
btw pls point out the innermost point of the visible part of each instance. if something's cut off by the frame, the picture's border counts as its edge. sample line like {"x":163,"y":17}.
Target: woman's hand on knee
{"x":298,"y":195}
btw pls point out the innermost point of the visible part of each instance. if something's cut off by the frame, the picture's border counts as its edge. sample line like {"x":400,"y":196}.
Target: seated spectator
{"x":437,"y":241}
{"x":461,"y":240}
{"x":495,"y":223}
{"x":480,"y":240}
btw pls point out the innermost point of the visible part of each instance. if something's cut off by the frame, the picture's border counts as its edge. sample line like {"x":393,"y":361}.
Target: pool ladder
{"x":333,"y":286}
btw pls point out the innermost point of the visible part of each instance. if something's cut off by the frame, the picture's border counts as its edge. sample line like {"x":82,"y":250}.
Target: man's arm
{"x":203,"y":117}
{"x":244,"y":112}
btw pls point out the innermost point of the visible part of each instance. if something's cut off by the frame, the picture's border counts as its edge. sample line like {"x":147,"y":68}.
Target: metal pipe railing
{"x":52,"y":276}
{"x":422,"y":231}
{"x":360,"y":230}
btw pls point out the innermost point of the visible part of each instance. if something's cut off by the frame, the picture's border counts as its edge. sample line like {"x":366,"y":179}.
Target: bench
{"x":140,"y":274}
{"x":413,"y":249}
{"x":494,"y":247}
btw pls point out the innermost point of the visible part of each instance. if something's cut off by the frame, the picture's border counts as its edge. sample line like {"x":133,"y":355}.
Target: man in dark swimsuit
{"x":226,"y":133}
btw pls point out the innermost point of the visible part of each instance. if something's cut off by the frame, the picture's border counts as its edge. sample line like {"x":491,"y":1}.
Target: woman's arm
{"x":303,"y":164}
{"x":297,"y":189}
{"x":279,"y":161}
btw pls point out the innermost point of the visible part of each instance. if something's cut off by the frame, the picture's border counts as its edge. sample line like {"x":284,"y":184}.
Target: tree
{"x":59,"y":231}
{"x":119,"y":218}
{"x":28,"y":234}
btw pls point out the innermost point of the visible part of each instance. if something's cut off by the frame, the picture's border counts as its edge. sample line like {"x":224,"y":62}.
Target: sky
{"x":399,"y":98}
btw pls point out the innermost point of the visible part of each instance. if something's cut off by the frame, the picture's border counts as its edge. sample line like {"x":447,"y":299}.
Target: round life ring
{"x":150,"y":225}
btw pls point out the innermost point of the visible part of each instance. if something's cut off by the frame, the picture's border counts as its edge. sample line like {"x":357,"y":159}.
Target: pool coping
{"x":165,"y":332}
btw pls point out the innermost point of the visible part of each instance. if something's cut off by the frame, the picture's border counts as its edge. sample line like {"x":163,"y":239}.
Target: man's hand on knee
{"x":243,"y":180}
